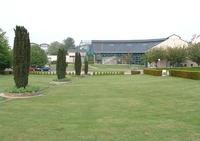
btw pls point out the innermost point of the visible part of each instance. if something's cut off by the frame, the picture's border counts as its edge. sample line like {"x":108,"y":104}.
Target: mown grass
{"x":105,"y":67}
{"x":106,"y":108}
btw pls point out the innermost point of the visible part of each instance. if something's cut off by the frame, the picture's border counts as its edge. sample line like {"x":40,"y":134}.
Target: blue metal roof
{"x":124,"y":46}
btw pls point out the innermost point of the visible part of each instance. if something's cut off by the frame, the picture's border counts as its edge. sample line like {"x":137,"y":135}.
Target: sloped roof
{"x":124,"y":46}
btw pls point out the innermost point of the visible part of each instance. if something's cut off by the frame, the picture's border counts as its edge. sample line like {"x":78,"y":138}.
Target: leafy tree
{"x":5,"y":58}
{"x":194,"y":53}
{"x":176,"y":56}
{"x":154,"y":54}
{"x":54,"y":47}
{"x":61,"y":64}
{"x":86,"y":66}
{"x":21,"y":56}
{"x":78,"y":63}
{"x":38,"y":56}
{"x":69,"y":43}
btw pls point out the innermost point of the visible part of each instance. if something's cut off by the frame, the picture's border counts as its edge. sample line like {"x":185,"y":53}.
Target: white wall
{"x":70,"y":58}
{"x":172,"y":41}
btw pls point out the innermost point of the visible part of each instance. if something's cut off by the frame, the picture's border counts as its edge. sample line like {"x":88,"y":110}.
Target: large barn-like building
{"x":113,"y":51}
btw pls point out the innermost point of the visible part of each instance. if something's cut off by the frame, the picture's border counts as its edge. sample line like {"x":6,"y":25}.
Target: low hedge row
{"x":48,"y":73}
{"x":133,"y":72}
{"x":185,"y":74}
{"x":109,"y":73}
{"x":153,"y":72}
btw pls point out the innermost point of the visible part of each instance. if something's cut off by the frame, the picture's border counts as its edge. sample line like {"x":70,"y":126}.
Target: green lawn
{"x":104,"y":67}
{"x":116,"y":67}
{"x":104,"y":108}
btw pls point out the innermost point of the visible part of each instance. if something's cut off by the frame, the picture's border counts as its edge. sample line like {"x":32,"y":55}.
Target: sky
{"x":55,"y":20}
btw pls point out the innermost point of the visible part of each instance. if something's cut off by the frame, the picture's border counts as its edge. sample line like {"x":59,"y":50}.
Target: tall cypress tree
{"x":86,"y":66}
{"x":78,"y":63}
{"x":21,"y":56}
{"x":61,"y":64}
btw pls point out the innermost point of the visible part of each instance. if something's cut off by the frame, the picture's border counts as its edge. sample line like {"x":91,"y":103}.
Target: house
{"x":113,"y":51}
{"x":70,"y":56}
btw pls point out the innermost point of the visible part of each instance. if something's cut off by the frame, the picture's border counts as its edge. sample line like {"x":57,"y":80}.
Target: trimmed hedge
{"x":48,"y":73}
{"x":42,"y":73}
{"x":153,"y":72}
{"x":133,"y":72}
{"x":109,"y":73}
{"x":185,"y":74}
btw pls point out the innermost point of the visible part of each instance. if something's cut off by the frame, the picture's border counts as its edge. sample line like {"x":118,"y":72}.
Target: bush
{"x":185,"y":74}
{"x":133,"y":72}
{"x":28,"y":89}
{"x":153,"y":72}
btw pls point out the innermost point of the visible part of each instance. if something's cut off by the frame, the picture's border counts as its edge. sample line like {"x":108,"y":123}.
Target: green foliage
{"x":54,"y":47}
{"x":186,"y":74}
{"x":21,"y":56}
{"x":133,"y":72}
{"x":78,"y":63}
{"x":5,"y":57}
{"x":61,"y":64}
{"x":38,"y":56}
{"x":68,"y":43}
{"x":153,"y":55}
{"x":176,"y":56}
{"x":153,"y":72}
{"x":86,"y":66}
{"x":194,"y":53}
{"x":28,"y":89}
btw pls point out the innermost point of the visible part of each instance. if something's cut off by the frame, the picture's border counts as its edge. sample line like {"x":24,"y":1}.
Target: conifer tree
{"x":78,"y":63}
{"x":21,"y":56}
{"x":61,"y":64}
{"x":86,"y":66}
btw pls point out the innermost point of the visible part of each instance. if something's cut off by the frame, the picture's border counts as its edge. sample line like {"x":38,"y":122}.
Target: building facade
{"x":115,"y":51}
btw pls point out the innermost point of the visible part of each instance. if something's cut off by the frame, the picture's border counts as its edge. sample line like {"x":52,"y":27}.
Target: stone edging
{"x":17,"y":97}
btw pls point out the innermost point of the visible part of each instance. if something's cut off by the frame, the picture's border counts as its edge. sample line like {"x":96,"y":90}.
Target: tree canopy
{"x":176,"y":55}
{"x":5,"y":57}
{"x":194,"y":53}
{"x":38,"y":56}
{"x":153,"y":55}
{"x":54,"y":47}
{"x":66,"y":44}
{"x":69,"y":43}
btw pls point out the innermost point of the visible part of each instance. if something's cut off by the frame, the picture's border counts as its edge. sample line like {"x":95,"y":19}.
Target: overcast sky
{"x":55,"y":20}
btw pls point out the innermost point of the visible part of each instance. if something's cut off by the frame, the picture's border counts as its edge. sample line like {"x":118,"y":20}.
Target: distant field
{"x":103,"y":67}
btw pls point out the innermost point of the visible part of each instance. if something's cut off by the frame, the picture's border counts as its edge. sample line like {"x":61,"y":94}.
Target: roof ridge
{"x":136,"y":40}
